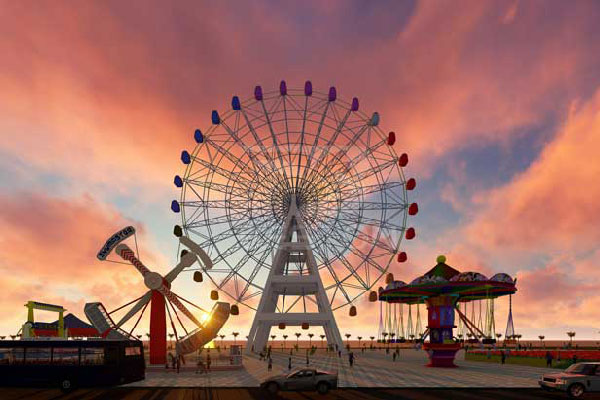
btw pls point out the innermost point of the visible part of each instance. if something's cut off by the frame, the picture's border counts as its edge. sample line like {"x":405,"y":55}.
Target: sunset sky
{"x":496,"y":102}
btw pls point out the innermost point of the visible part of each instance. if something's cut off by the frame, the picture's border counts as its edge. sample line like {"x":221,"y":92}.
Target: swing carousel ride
{"x":442,"y":289}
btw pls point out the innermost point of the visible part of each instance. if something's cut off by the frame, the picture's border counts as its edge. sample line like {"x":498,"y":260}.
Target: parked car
{"x":575,"y":380}
{"x":304,"y":379}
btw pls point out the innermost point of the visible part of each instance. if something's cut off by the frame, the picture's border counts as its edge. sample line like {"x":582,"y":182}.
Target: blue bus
{"x":71,"y":363}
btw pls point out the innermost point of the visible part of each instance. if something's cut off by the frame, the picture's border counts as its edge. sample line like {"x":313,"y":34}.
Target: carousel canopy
{"x":442,"y":280}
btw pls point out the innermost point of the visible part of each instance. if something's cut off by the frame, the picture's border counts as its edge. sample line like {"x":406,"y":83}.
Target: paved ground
{"x":371,"y":369}
{"x":255,"y":394}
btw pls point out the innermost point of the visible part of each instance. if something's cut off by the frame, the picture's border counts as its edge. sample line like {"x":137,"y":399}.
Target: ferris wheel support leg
{"x":158,"y":329}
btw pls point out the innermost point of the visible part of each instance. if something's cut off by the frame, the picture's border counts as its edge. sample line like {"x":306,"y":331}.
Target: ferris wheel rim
{"x":269,"y":96}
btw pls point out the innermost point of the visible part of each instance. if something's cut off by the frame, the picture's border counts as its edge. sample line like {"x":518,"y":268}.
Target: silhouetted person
{"x":208,"y":362}
{"x":394,"y":356}
{"x":502,"y":357}
{"x":339,"y":353}
{"x":290,"y":364}
{"x":548,"y":359}
{"x":351,"y":359}
{"x":270,"y":366}
{"x":307,"y":362}
{"x":574,"y":358}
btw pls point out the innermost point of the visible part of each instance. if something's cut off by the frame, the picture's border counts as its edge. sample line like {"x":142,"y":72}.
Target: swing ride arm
{"x":469,"y":324}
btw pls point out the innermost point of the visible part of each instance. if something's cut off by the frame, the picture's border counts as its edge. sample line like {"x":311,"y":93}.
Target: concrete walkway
{"x":371,"y":369}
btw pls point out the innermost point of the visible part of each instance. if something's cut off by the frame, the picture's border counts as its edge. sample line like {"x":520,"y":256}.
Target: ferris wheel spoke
{"x":344,"y":262}
{"x":331,"y":141}
{"x":338,"y":155}
{"x":259,"y":141}
{"x":259,"y":168}
{"x":259,"y":264}
{"x":275,"y":144}
{"x":235,"y":160}
{"x":315,"y":143}
{"x":230,"y":175}
{"x":336,"y":279}
{"x":361,"y":235}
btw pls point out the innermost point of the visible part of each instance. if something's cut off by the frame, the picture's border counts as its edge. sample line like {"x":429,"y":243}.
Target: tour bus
{"x":70,"y":363}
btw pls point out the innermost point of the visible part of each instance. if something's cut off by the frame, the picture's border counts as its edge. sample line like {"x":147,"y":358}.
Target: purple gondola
{"x":332,"y":94}
{"x":283,"y":88}
{"x":308,"y":88}
{"x":258,"y":95}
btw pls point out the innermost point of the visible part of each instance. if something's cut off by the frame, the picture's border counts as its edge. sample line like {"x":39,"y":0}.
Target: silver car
{"x":575,"y":380}
{"x":304,"y":379}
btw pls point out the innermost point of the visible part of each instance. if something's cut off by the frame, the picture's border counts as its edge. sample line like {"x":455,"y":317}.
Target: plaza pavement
{"x":371,"y":369}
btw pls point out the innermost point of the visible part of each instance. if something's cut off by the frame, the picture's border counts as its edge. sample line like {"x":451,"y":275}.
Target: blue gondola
{"x":308,"y":88}
{"x":175,"y":206}
{"x":215,"y":117}
{"x":374,"y":121}
{"x":198,"y":136}
{"x":178,"y":181}
{"x":185,"y":157}
{"x":235,"y":103}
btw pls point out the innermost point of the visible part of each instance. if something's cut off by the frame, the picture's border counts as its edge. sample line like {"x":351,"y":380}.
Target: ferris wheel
{"x":298,"y":145}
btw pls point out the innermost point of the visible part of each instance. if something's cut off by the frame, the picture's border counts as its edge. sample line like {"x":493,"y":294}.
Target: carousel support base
{"x":441,"y":356}
{"x":441,"y":362}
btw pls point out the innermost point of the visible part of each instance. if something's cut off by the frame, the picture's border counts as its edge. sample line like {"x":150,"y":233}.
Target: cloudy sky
{"x":496,"y":102}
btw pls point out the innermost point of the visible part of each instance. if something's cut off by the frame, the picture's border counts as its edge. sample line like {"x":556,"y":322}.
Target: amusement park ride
{"x":299,"y":198}
{"x":162,"y":300}
{"x":295,"y":203}
{"x":443,"y":289}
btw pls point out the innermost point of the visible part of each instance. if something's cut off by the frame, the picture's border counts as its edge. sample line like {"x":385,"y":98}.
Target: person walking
{"x":351,"y":359}
{"x":208,"y":362}
{"x":394,"y":357}
{"x":339,"y":353}
{"x":574,"y":358}
{"x":200,"y":367}
{"x":290,"y":364}
{"x":502,"y":357}
{"x":270,"y":366}
{"x":548,"y":359}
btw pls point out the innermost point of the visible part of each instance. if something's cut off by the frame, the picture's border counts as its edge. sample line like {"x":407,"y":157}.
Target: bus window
{"x":132,"y":351}
{"x":16,"y":355}
{"x":65,"y":355}
{"x":37,"y":355}
{"x":12,"y":356}
{"x":92,"y":356}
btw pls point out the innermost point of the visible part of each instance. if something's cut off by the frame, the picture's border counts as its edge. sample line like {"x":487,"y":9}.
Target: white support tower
{"x":293,"y":247}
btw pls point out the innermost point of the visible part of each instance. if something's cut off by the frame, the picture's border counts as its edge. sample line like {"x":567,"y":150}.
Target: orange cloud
{"x":552,"y":204}
{"x":49,"y":251}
